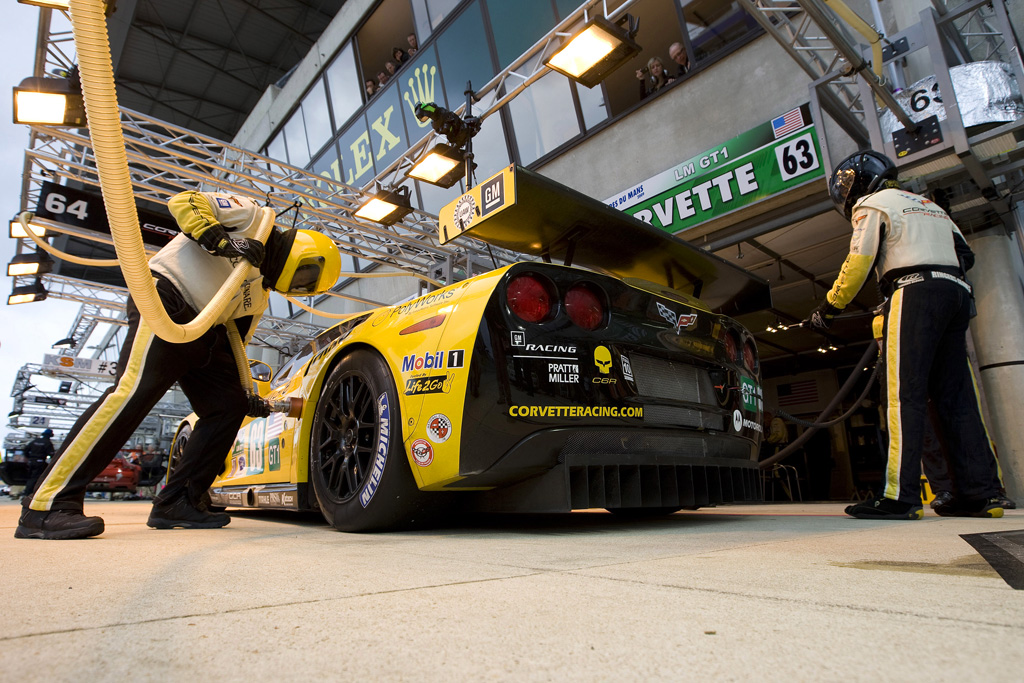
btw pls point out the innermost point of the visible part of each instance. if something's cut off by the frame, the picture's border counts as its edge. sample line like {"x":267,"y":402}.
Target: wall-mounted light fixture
{"x":27,"y":294}
{"x":17,"y":230}
{"x":590,"y":55}
{"x":49,"y":102}
{"x":38,"y":263}
{"x":443,"y":166}
{"x":386,"y":207}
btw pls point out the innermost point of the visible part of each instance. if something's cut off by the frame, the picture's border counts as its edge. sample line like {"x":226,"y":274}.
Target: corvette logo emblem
{"x":681,"y":321}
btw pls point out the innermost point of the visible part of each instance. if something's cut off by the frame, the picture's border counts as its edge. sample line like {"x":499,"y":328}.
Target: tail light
{"x":732,"y":347}
{"x":584,"y":307}
{"x":529,"y":298}
{"x":750,"y":355}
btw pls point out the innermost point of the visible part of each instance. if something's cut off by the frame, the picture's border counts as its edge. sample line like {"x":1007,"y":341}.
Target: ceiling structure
{"x":203,"y":64}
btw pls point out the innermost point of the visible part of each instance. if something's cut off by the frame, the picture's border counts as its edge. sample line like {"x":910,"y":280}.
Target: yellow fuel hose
{"x":241,"y":359}
{"x":862,"y":27}
{"x":25,"y":216}
{"x":323,"y":314}
{"x":93,"y":47}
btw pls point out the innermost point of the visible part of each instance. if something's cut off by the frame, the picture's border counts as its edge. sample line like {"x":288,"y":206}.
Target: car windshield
{"x":321,"y":341}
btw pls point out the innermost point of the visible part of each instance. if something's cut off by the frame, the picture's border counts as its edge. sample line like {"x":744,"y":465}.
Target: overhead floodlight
{"x":593,"y":53}
{"x":442,"y":166}
{"x":38,"y":263}
{"x":49,"y":102}
{"x":48,"y":4}
{"x":387,"y":207}
{"x":27,"y":294}
{"x":17,"y":230}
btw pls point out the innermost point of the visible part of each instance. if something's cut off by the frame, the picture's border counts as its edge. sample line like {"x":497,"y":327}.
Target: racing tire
{"x":357,"y":462}
{"x":174,"y":457}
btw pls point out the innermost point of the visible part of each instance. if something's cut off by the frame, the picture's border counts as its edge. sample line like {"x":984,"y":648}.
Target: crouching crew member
{"x":919,"y":257}
{"x":217,"y":231}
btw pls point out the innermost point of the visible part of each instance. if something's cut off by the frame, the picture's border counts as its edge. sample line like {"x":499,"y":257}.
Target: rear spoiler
{"x":525,"y":212}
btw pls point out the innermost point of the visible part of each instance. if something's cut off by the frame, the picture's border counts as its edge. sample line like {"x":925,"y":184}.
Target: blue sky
{"x":26,"y":331}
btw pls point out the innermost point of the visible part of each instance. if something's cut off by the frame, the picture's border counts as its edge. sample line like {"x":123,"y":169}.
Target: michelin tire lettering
{"x":381,"y":457}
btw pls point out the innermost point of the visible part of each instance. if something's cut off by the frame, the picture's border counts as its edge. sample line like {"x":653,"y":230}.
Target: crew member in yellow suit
{"x":919,"y":257}
{"x":217,"y":231}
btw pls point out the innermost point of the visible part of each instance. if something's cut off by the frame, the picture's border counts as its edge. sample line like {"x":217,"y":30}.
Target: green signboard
{"x":771,"y":158}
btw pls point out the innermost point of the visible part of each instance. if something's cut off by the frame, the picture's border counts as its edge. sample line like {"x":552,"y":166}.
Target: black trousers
{"x":925,"y":352}
{"x":147,"y":368}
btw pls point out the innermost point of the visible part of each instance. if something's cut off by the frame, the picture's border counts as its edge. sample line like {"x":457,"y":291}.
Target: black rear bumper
{"x":564,"y":469}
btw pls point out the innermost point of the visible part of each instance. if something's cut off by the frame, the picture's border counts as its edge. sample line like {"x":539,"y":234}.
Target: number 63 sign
{"x":796,"y":157}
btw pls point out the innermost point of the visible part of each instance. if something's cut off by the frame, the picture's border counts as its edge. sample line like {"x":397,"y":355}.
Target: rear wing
{"x":525,"y":212}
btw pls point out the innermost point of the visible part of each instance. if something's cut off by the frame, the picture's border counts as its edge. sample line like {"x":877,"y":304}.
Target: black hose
{"x":812,"y":427}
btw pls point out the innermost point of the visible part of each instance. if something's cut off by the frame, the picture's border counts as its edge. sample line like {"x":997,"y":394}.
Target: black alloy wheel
{"x":174,"y":459}
{"x":357,"y":461}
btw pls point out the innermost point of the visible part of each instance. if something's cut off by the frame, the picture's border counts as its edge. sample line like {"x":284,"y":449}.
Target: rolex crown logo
{"x":420,"y":89}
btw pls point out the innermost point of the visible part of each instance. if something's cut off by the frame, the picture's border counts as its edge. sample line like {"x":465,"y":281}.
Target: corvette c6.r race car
{"x":535,"y":387}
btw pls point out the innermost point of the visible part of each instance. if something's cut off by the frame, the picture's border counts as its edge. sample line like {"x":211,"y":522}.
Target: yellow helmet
{"x":312,"y":266}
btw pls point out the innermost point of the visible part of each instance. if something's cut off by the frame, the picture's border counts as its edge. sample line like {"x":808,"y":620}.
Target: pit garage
{"x":551,"y":381}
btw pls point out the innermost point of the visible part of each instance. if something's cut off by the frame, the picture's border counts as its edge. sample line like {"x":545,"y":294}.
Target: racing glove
{"x":216,"y":241}
{"x":822,"y":316}
{"x":257,"y":406}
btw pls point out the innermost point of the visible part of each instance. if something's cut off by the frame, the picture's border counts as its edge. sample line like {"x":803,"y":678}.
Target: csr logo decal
{"x":680,"y":321}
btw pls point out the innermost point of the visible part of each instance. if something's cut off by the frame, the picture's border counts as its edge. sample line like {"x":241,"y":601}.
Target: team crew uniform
{"x":916,"y":251}
{"x":217,"y":230}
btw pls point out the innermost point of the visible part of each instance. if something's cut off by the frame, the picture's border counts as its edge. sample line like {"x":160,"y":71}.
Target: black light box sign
{"x":84,"y":209}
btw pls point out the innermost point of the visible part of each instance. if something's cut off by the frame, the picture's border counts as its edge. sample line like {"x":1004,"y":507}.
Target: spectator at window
{"x":677,"y":53}
{"x":390,"y":67}
{"x":399,"y":56}
{"x":413,"y":45}
{"x":370,"y":86}
{"x":653,"y":77}
{"x":382,"y":78}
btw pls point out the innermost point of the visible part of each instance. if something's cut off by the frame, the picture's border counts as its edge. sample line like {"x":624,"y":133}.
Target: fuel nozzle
{"x":291,"y":406}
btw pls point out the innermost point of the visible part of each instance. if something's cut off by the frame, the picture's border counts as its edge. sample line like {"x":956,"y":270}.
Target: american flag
{"x":798,"y":393}
{"x":787,"y":123}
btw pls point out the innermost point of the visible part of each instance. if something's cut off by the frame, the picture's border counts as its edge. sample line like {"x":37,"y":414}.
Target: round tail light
{"x":750,"y":355}
{"x":584,"y":307}
{"x":529,"y":298}
{"x":732,"y":347}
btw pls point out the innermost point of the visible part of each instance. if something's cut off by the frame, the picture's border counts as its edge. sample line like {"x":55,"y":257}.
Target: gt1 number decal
{"x":797,"y":157}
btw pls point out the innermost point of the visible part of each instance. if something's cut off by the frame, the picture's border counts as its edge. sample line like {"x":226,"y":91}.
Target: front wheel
{"x":357,"y":464}
{"x":174,"y":459}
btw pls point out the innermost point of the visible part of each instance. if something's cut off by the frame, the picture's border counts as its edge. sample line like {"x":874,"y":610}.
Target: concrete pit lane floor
{"x":785,"y":592}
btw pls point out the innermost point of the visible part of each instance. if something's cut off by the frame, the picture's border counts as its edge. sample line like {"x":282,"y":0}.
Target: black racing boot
{"x":885,"y":508}
{"x":57,"y":525}
{"x":986,"y":507}
{"x":181,"y":513}
{"x":942,"y":498}
{"x":1007,"y":502}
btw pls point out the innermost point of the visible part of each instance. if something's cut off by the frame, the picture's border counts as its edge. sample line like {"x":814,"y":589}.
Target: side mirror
{"x":261,"y":372}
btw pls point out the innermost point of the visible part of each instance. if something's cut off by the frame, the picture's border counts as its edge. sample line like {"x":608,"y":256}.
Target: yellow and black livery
{"x":534,"y":387}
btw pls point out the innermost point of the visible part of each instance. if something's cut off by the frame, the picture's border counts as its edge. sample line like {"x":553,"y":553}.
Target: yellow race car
{"x":535,"y":387}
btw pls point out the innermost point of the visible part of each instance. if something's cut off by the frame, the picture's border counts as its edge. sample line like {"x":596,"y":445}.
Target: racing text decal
{"x":576,"y":411}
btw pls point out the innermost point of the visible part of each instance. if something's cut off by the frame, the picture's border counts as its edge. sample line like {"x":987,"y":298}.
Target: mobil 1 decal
{"x":774,"y":157}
